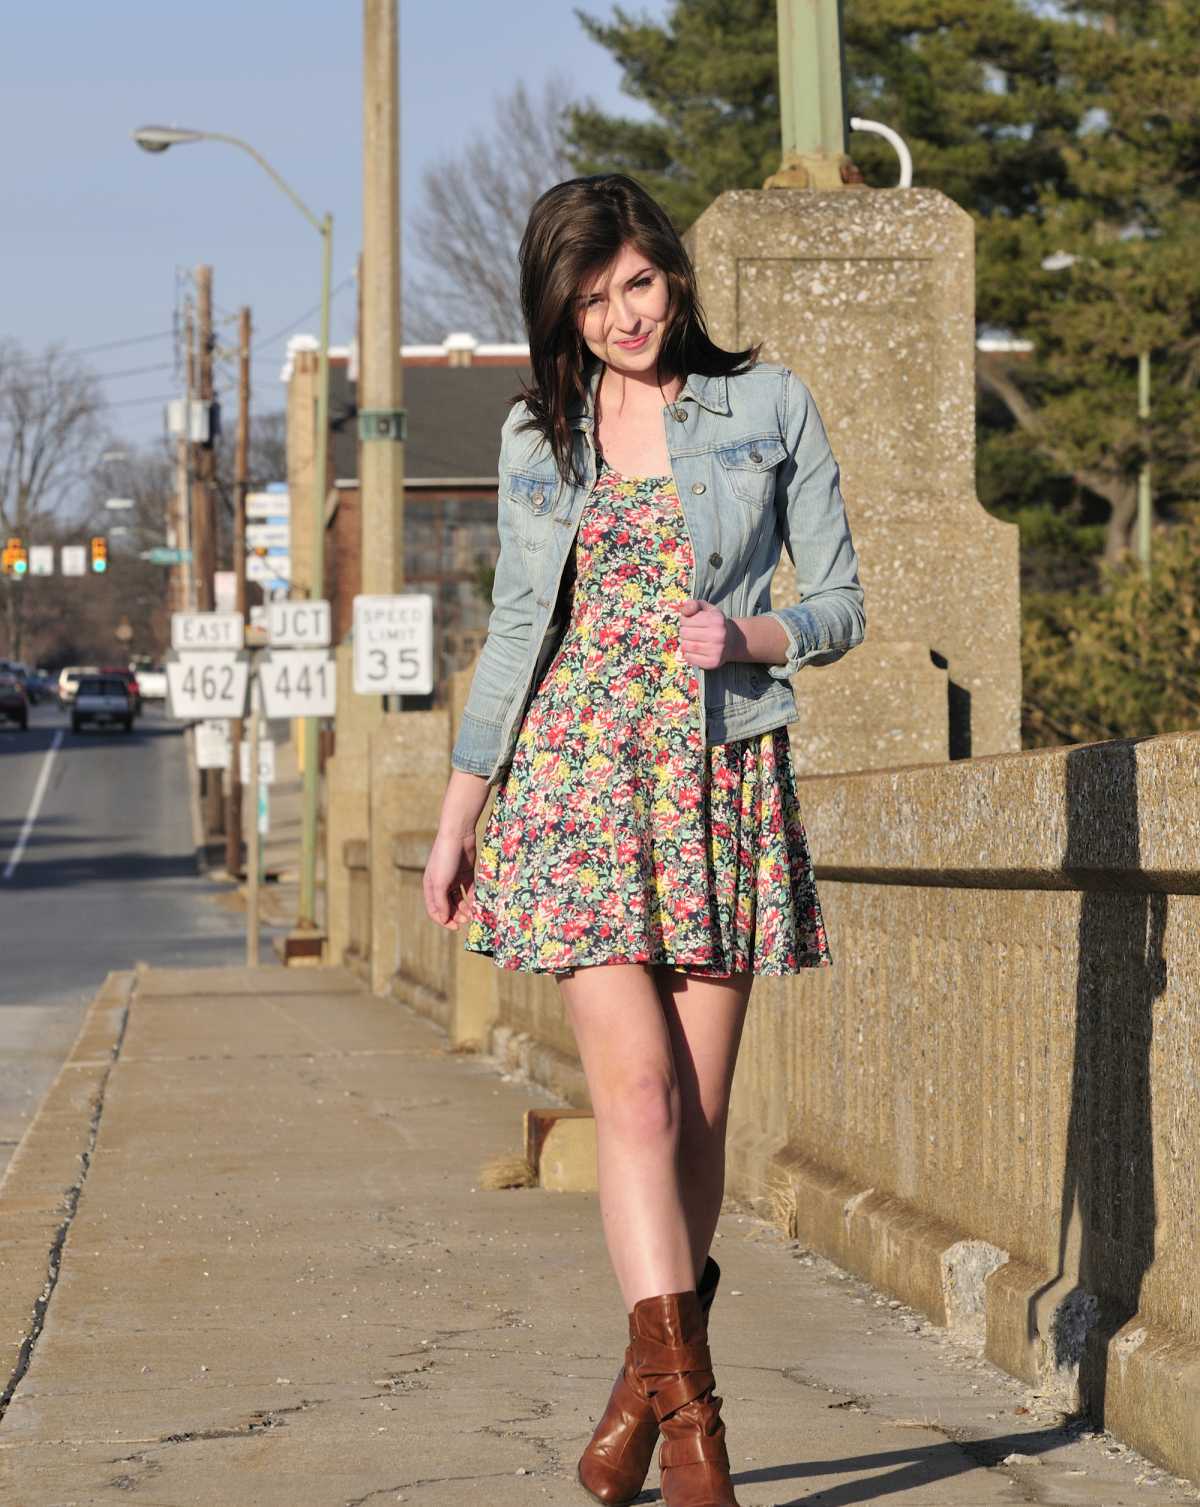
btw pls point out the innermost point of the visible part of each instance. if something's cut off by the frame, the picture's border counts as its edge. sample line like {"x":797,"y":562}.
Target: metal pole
{"x":812,"y":103}
{"x":1145,"y":510}
{"x":252,"y":839}
{"x":308,"y":858}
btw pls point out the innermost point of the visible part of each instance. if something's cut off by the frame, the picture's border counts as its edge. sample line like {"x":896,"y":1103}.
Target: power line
{"x":108,"y":345}
{"x":160,"y":398}
{"x":300,"y":318}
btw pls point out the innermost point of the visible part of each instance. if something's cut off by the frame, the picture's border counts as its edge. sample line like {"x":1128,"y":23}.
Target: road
{"x":97,"y":872}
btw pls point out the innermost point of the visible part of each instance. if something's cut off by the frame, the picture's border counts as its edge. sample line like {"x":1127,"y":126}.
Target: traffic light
{"x":99,"y":554}
{"x":15,"y":560}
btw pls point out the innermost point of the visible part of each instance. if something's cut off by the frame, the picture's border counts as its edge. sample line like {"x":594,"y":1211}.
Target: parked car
{"x":68,"y":681}
{"x":14,"y":705}
{"x":101,"y":699}
{"x":24,"y":675}
{"x":152,"y":682}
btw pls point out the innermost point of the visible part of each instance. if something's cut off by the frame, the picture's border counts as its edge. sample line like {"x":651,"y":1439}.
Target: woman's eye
{"x":643,"y":282}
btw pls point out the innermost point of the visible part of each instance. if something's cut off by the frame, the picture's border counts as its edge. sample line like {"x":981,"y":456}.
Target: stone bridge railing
{"x":990,"y":1105}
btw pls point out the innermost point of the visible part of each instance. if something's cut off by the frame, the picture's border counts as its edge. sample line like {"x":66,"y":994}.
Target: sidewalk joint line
{"x":54,"y":1259}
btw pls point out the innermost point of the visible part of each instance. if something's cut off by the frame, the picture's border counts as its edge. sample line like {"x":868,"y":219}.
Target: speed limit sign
{"x":393,"y":644}
{"x":202,"y":684}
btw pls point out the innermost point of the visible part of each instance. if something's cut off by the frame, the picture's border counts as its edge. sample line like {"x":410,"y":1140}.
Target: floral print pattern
{"x":615,"y":835}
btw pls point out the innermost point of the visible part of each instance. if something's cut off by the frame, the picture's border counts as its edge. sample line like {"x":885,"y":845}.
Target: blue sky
{"x":93,"y":232}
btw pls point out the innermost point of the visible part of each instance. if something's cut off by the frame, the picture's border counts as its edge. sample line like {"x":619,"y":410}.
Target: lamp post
{"x":158,"y":139}
{"x":1059,"y":261}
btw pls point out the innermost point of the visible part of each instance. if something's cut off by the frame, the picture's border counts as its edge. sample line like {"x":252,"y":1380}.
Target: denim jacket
{"x":753,"y":469}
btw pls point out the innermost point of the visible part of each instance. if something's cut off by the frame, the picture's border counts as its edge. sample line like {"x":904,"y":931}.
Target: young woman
{"x":631,"y":703}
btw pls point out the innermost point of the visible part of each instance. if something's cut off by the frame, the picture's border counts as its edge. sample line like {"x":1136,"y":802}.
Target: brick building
{"x":456,"y":397}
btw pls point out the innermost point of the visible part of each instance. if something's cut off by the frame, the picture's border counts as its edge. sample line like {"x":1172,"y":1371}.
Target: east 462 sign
{"x":203,"y":684}
{"x":298,"y":683}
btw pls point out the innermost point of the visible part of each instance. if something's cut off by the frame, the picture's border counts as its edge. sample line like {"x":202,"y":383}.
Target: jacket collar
{"x":708,"y":392}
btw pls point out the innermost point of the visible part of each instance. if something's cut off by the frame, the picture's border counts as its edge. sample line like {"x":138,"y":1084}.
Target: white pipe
{"x":857,"y":123}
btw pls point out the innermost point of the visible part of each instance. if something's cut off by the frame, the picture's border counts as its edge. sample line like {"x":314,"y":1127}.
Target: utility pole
{"x":185,"y":538}
{"x":381,"y":416}
{"x":205,"y":511}
{"x":203,"y":555}
{"x":241,"y":483}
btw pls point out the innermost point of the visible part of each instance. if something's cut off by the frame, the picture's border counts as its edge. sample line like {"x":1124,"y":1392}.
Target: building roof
{"x":454,"y":418}
{"x":456,"y":395}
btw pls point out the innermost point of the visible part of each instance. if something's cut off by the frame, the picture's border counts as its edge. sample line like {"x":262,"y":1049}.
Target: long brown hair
{"x":576,"y":229}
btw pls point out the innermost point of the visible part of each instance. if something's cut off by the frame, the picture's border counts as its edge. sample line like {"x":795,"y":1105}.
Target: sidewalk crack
{"x":71,"y":1201}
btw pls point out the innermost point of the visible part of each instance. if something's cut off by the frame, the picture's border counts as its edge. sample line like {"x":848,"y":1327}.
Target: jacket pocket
{"x":749,"y":467}
{"x":532,"y":494}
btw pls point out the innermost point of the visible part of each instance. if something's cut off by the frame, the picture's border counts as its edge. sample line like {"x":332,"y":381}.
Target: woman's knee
{"x":644,"y":1108}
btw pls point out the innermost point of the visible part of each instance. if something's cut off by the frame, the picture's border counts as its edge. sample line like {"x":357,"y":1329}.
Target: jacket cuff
{"x":808,"y":641}
{"x":476,"y":746}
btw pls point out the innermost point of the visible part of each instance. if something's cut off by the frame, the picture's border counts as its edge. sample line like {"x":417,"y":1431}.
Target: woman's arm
{"x":829,"y":619}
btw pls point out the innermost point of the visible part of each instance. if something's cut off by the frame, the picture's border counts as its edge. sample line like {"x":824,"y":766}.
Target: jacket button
{"x":714,"y":558}
{"x":680,"y":415}
{"x":697,"y":487}
{"x":756,"y":457}
{"x":539,"y":498}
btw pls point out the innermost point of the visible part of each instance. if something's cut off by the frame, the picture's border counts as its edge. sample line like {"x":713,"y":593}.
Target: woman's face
{"x":622,"y":312}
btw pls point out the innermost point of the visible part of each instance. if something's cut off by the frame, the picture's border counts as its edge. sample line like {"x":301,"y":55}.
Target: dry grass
{"x":511,"y":1170}
{"x":782,"y":1204}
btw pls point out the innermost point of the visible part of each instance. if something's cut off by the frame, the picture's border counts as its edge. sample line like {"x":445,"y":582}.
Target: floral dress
{"x":616,"y":835}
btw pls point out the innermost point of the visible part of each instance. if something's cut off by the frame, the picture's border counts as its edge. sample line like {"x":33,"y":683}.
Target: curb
{"x":42,"y":1183}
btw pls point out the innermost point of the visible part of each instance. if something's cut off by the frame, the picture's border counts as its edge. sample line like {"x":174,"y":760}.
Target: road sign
{"x":163,"y":555}
{"x":276,"y":505}
{"x":41,"y":559}
{"x":225,"y":590}
{"x":266,"y":762}
{"x":74,"y":560}
{"x":214,"y":746}
{"x":298,"y":683}
{"x":206,"y":630}
{"x":268,"y":536}
{"x":299,"y":625}
{"x":203,"y":685}
{"x":393,"y":644}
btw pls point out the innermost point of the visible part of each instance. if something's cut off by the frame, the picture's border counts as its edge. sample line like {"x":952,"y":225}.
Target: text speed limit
{"x":393,"y":644}
{"x":203,"y":685}
{"x":298,"y":683}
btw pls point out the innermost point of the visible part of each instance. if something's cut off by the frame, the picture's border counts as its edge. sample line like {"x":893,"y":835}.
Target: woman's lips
{"x":633,"y":345}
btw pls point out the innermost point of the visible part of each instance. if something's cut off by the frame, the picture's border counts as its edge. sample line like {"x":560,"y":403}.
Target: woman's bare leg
{"x":621,"y":1031}
{"x":704,"y":1018}
{"x":658,"y":1049}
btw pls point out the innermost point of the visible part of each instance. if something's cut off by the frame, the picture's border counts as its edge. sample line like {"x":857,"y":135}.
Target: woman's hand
{"x":707,"y":638}
{"x":449,"y":880}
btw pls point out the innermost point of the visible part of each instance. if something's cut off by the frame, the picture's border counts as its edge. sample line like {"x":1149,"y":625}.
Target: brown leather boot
{"x":671,"y":1360}
{"x":613,"y":1466}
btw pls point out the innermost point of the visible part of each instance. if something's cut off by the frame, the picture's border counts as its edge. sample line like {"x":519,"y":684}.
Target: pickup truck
{"x":101,"y":699}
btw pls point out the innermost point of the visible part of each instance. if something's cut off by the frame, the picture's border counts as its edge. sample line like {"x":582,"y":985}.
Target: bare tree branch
{"x":473,"y":210}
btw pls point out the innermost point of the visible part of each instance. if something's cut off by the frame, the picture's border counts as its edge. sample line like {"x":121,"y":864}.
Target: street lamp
{"x":1060,"y":261}
{"x":158,"y":139}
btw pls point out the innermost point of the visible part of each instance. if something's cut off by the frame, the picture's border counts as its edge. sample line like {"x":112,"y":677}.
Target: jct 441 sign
{"x":298,"y":683}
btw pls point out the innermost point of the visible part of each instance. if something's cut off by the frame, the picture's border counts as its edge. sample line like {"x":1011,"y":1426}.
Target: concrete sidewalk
{"x":246,"y":1261}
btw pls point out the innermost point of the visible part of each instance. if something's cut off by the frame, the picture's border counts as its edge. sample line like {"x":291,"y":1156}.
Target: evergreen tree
{"x":1074,"y":130}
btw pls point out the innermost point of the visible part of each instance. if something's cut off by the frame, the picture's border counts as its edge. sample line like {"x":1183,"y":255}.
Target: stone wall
{"x":989,"y":1105}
